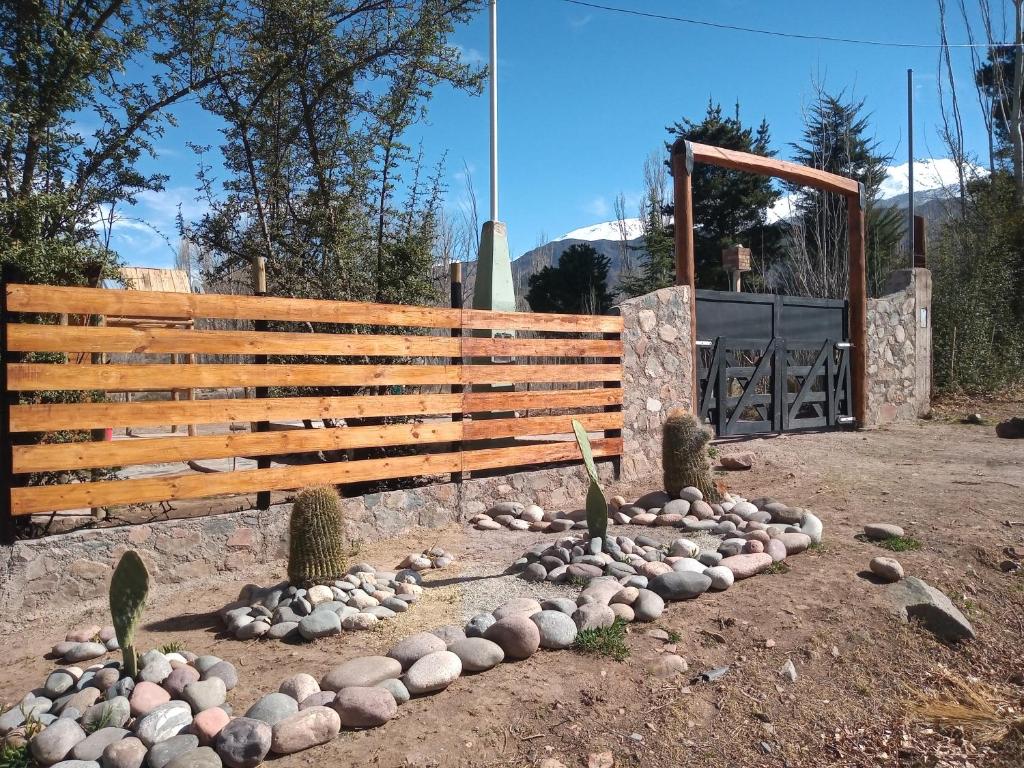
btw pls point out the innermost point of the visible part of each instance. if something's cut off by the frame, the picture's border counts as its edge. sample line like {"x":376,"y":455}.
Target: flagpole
{"x":494,"y":110}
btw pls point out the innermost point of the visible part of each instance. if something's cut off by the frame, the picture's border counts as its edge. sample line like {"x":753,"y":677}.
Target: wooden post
{"x":920,"y":247}
{"x":259,"y":285}
{"x":858,"y":306}
{"x":682,"y":167}
{"x":456,"y":303}
{"x":7,"y":530}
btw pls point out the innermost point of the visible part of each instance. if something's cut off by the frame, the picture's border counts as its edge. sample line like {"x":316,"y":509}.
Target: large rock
{"x":273,"y":708}
{"x":164,"y":752}
{"x":413,"y":648}
{"x":433,"y":672}
{"x":364,"y":707}
{"x":745,"y":566}
{"x":518,"y":606}
{"x":244,"y":742}
{"x":886,"y":568}
{"x":209,"y":723}
{"x":479,"y":654}
{"x":1011,"y":429}
{"x":305,"y":729}
{"x":300,"y":686}
{"x":163,"y":722}
{"x":92,"y":747}
{"x":204,"y":757}
{"x":812,"y":526}
{"x":175,"y":682}
{"x":56,"y":741}
{"x":593,"y":616}
{"x":737,"y":461}
{"x":557,"y":629}
{"x":721,"y":577}
{"x":683,"y":585}
{"x":795,"y":543}
{"x":205,"y":694}
{"x":912,"y":598}
{"x":881,"y":531}
{"x":129,"y":752}
{"x":517,"y":635}
{"x":319,"y":624}
{"x":648,"y":605}
{"x":364,"y":671}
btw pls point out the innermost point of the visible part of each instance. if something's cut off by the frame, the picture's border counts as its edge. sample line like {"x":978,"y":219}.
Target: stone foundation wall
{"x":657,"y":374}
{"x":72,"y":570}
{"x":899,"y":349}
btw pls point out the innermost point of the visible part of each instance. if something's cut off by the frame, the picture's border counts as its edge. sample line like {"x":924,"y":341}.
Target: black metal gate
{"x":770,"y":363}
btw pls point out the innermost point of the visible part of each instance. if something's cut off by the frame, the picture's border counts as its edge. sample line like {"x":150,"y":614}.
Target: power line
{"x":777,"y":33}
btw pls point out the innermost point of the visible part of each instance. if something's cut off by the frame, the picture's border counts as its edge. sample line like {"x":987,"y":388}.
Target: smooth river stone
{"x":517,"y":635}
{"x":244,"y":742}
{"x":433,"y":672}
{"x":162,"y":723}
{"x":478,"y":654}
{"x":305,"y":729}
{"x":413,"y":648}
{"x":364,"y":707}
{"x":745,"y":566}
{"x":680,"y":585}
{"x":55,"y":742}
{"x":364,"y":671}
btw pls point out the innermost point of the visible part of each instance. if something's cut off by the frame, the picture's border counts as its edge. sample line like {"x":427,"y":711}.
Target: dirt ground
{"x":860,"y":673}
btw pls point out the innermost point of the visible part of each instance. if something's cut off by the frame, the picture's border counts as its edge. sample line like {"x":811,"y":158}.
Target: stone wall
{"x":657,"y":374}
{"x":72,"y":570}
{"x":899,"y":349}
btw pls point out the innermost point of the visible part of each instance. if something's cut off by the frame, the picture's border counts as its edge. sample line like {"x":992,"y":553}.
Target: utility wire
{"x":777,"y":33}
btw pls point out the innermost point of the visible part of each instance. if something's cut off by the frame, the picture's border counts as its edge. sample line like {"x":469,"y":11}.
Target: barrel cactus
{"x":597,"y":506}
{"x":316,"y":548}
{"x":684,"y":455}
{"x":129,"y":587}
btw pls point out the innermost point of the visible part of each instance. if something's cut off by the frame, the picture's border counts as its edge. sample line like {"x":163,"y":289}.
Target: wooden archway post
{"x":686,"y":153}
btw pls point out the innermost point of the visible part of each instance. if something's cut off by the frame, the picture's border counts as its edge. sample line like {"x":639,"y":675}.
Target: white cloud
{"x":470,"y":56}
{"x":579,"y":23}
{"x":146,"y":234}
{"x":598,"y":207}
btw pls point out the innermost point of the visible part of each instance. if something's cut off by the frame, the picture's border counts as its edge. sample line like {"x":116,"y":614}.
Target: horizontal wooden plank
{"x":27,"y":377}
{"x":25,"y":337}
{"x":89,"y":455}
{"x":25,"y":501}
{"x":158,"y":304}
{"x":487,"y":347}
{"x":48,"y":299}
{"x":770,"y":166}
{"x":58,"y":416}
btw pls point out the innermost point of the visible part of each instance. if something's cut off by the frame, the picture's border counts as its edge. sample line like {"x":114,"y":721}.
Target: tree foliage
{"x":658,"y":267}
{"x":578,"y":285}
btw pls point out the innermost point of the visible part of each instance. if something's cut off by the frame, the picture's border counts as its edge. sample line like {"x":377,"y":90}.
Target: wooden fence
{"x":433,"y":425}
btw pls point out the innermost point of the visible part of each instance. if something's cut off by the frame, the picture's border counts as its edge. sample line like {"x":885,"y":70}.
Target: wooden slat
{"x":99,"y":301}
{"x":23,"y":337}
{"x":90,"y":455}
{"x":59,"y":416}
{"x":47,"y":498}
{"x":26,"y":377}
{"x":488,"y":347}
{"x":538,"y":321}
{"x":770,"y":166}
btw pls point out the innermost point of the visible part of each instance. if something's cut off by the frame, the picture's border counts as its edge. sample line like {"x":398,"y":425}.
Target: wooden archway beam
{"x":686,"y":153}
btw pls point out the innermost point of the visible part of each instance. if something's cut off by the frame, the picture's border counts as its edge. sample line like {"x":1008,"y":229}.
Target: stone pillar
{"x":657,"y":374}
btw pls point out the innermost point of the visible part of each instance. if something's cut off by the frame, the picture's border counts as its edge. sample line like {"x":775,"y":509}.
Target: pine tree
{"x":658,"y":268}
{"x":578,"y":285}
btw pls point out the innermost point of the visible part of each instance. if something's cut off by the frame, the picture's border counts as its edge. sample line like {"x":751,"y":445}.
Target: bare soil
{"x":860,"y":673}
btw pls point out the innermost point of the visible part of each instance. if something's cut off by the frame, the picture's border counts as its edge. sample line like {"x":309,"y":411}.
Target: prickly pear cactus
{"x":597,"y":506}
{"x":684,"y":455}
{"x":129,"y":587}
{"x":316,"y":548}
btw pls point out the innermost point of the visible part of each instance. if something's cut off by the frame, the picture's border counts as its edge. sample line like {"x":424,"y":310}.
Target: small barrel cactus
{"x":684,"y":456}
{"x":597,"y":506}
{"x":316,"y":548}
{"x":129,"y":587}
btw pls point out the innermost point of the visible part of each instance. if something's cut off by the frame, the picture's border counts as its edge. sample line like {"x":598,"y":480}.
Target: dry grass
{"x":981,"y":710}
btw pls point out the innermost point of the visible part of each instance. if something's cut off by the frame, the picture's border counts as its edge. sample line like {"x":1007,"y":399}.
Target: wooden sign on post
{"x":735,"y":261}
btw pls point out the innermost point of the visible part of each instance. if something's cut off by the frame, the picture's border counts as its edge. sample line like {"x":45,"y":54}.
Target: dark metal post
{"x":259,"y":280}
{"x":7,"y":530}
{"x":910,"y":165}
{"x":456,"y":302}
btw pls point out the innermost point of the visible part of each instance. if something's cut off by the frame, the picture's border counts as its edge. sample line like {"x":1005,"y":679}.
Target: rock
{"x":479,"y":624}
{"x":812,"y":526}
{"x":788,"y":671}
{"x":680,"y":586}
{"x":887,"y":568}
{"x":305,"y":729}
{"x":666,"y":665}
{"x":593,"y":616}
{"x":299,"y":687}
{"x":413,"y":648}
{"x":449,"y":633}
{"x":161,"y":754}
{"x":85,"y":652}
{"x":208,"y":724}
{"x":478,"y":654}
{"x":776,"y":549}
{"x":563,"y":604}
{"x":534,"y":572}
{"x":684,"y":548}
{"x":517,"y":635}
{"x":175,"y":682}
{"x":203,"y":663}
{"x":602,"y":589}
{"x":795,"y":543}
{"x":364,"y":671}
{"x":623,"y":611}
{"x":912,"y":598}
{"x":737,"y":461}
{"x":319,"y":624}
{"x":163,"y":722}
{"x":359,"y":621}
{"x":881,"y":531}
{"x":204,"y":757}
{"x":688,"y":565}
{"x":745,"y":566}
{"x":557,"y":629}
{"x":676,"y":507}
{"x":92,"y":747}
{"x":655,"y":499}
{"x":721,"y":577}
{"x":273,"y":708}
{"x":519,"y":606}
{"x":363,"y":707}
{"x":1011,"y":429}
{"x":57,"y":682}
{"x":319,"y":594}
{"x":433,"y":672}
{"x":56,"y":741}
{"x":156,"y":671}
{"x":115,"y":713}
{"x":319,"y":699}
{"x":83,"y":699}
{"x":396,"y":688}
{"x":225,"y":670}
{"x":243,"y":743}
{"x":129,"y":752}
{"x":205,"y":694}
{"x":513,"y":508}
{"x":648,"y":605}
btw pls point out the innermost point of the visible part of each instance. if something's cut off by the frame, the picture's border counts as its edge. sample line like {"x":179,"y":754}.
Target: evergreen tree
{"x":728,"y":206}
{"x":578,"y":285}
{"x":835,"y":139}
{"x":658,"y":269}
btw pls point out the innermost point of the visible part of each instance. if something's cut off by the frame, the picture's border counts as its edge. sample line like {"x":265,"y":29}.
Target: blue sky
{"x":586,"y":94}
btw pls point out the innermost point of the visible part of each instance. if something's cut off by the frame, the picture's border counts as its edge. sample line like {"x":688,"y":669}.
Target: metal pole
{"x":910,"y":165}
{"x":494,"y":110}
